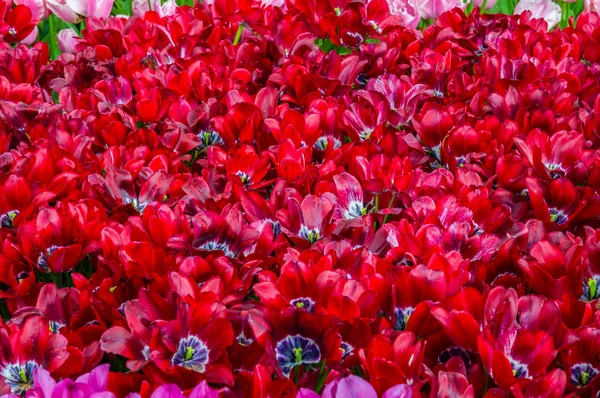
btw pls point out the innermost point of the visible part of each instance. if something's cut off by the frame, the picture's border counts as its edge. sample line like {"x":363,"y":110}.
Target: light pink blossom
{"x":73,"y":11}
{"x":541,"y":9}
{"x":591,"y":5}
{"x":430,"y":9}
{"x":140,"y":7}
{"x":406,"y":10}
{"x":67,"y":40}
{"x":488,"y":5}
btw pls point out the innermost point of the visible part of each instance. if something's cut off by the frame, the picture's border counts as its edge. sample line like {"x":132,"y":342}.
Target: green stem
{"x":485,"y":386}
{"x":238,"y":34}
{"x":321,"y":377}
{"x":389,"y":207}
{"x":297,"y":377}
{"x":483,"y":6}
{"x":52,"y":41}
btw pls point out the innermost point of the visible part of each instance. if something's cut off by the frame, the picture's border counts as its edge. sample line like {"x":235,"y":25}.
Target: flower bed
{"x":299,"y":198}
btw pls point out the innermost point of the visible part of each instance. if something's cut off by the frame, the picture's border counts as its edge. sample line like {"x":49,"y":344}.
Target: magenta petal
{"x":398,"y":391}
{"x":168,"y":391}
{"x":62,"y":389}
{"x":202,"y":390}
{"x":351,"y":386}
{"x":43,"y":382}
{"x":306,"y":393}
{"x":103,"y":394}
{"x":99,"y":8}
{"x":97,"y":379}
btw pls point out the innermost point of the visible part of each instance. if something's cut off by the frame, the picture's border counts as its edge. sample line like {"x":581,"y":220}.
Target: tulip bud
{"x":67,"y":40}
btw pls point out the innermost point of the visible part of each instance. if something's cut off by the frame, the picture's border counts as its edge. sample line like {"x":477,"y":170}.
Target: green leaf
{"x":326,"y":45}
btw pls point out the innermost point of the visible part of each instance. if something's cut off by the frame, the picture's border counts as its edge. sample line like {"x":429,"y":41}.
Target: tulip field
{"x":299,"y":198}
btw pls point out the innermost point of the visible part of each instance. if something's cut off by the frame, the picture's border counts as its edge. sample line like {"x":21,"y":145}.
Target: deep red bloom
{"x":516,"y":355}
{"x":17,"y":24}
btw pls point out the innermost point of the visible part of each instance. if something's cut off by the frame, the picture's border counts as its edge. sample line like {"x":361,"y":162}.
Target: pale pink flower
{"x":430,"y":9}
{"x":73,"y":11}
{"x":488,"y":5}
{"x":140,"y":7}
{"x":406,"y":10}
{"x":67,"y":40}
{"x":274,"y":3}
{"x":63,"y":11}
{"x":591,"y":5}
{"x":541,"y":9}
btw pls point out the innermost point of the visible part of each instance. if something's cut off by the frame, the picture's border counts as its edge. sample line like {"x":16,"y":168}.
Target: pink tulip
{"x":349,"y":387}
{"x":591,"y":5}
{"x":406,"y":10}
{"x":73,"y":11}
{"x":541,"y":9}
{"x":430,"y":9}
{"x":140,"y":7}
{"x":488,"y":5}
{"x":38,"y":8}
{"x":274,"y":3}
{"x":67,"y":41}
{"x":398,"y":391}
{"x":306,"y":393}
{"x":62,"y":10}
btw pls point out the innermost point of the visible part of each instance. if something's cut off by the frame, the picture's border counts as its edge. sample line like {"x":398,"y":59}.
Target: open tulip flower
{"x":299,"y":198}
{"x":74,"y":10}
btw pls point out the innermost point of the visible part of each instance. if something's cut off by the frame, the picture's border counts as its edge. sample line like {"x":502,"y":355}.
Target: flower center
{"x":55,"y":326}
{"x":402,"y":316}
{"x":558,"y":216}
{"x":519,"y":369}
{"x":590,"y":289}
{"x":7,"y":219}
{"x":296,"y":350}
{"x":243,"y":340}
{"x":311,"y":235}
{"x":215,"y":246}
{"x":582,"y":374}
{"x":19,"y":377}
{"x":355,"y":209}
{"x":555,"y":169}
{"x":304,"y":302}
{"x":191,"y":354}
{"x":346,"y":350}
{"x":209,"y":137}
{"x":42,"y":261}
{"x":323,"y":141}
{"x":243,"y":177}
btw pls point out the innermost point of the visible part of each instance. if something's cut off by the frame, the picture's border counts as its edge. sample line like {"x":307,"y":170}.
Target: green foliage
{"x":4,"y":313}
{"x":326,"y":45}
{"x":64,"y":279}
{"x":122,"y":7}
{"x":503,"y":7}
{"x":570,"y":10}
{"x":49,"y":28}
